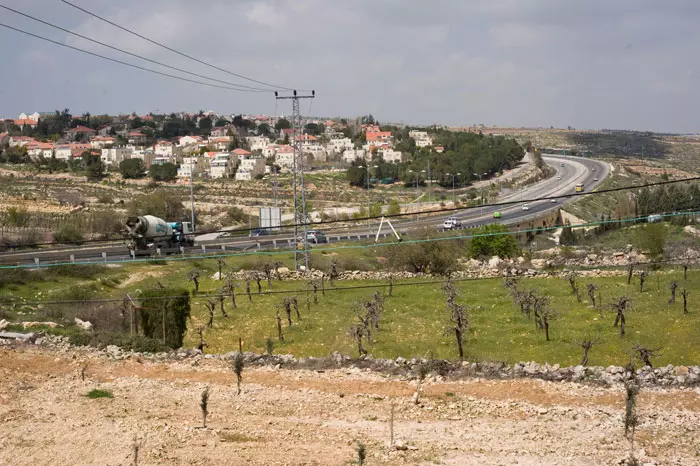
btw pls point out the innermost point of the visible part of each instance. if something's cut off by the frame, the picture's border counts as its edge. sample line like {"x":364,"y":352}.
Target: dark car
{"x":316,"y":236}
{"x":261,"y":232}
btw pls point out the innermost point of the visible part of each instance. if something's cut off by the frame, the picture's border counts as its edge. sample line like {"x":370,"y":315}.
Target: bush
{"x":436,"y":257}
{"x":160,"y":203}
{"x":137,"y":343}
{"x":132,"y":168}
{"x":68,"y":234}
{"x":236,"y":215}
{"x":652,"y":237}
{"x":85,"y":271}
{"x":493,"y":240}
{"x":171,"y":305}
{"x":92,"y":394}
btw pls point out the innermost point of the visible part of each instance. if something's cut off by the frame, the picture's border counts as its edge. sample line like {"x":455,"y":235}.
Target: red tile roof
{"x":378,"y":136}
{"x":26,"y":121}
{"x":81,"y":129}
{"x":241,"y":152}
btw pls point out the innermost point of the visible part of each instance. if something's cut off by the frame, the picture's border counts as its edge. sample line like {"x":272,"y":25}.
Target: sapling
{"x":211,"y":305}
{"x":361,"y":454}
{"x":238,"y":370}
{"x":194,"y":277}
{"x":673,"y":287}
{"x":203,"y":405}
{"x":220,"y":263}
{"x":642,"y":278}
{"x":269,"y":346}
{"x":136,"y":447}
{"x":685,"y":293}
{"x":202,"y":344}
{"x":280,"y":335}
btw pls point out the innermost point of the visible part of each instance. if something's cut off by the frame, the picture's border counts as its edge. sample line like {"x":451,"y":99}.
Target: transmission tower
{"x":300,"y":214}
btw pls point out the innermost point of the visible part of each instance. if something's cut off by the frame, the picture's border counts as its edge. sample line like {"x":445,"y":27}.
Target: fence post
{"x":104,"y":256}
{"x":72,"y":258}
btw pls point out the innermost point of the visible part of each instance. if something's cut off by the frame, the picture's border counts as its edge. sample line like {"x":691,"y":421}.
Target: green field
{"x":415,"y":318}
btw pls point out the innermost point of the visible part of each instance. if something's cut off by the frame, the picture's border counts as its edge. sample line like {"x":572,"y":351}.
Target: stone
{"x":400,"y":446}
{"x":494,"y":262}
{"x":681,"y":370}
{"x":4,"y":324}
{"x":83,"y":324}
{"x":39,"y":324}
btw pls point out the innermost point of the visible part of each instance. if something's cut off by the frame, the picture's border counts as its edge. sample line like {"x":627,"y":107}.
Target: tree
{"x":314,"y":129}
{"x":132,"y":168}
{"x":203,"y":405}
{"x":221,"y":122}
{"x":164,"y":313}
{"x":238,"y":370}
{"x":620,"y":307}
{"x":280,"y":335}
{"x":591,"y":294}
{"x":205,"y":125}
{"x":193,"y":276}
{"x":163,"y":172}
{"x":264,"y":130}
{"x":586,"y":345}
{"x":160,"y":203}
{"x":645,"y":354}
{"x":568,"y":237}
{"x":652,"y":237}
{"x":282,"y":123}
{"x":458,"y":316}
{"x":357,"y":175}
{"x":493,"y":240}
{"x":210,"y":305}
{"x":435,"y":257}
{"x":94,"y":168}
{"x":673,"y":287}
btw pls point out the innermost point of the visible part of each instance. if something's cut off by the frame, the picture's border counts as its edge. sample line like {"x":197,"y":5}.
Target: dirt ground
{"x":285,"y":417}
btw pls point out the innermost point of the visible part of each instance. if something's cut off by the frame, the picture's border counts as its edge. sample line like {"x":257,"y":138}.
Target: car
{"x":553,"y":201}
{"x":562,"y":164}
{"x":316,"y":236}
{"x":496,"y":214}
{"x":447,"y":225}
{"x":526,"y":206}
{"x":593,"y":168}
{"x":595,"y":179}
{"x":261,"y":232}
{"x":559,"y":177}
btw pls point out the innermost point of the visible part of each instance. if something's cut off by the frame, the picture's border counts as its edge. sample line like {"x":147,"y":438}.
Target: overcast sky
{"x":628,"y":64}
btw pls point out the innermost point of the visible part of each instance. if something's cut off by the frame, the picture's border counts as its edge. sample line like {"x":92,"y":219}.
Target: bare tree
{"x":547,"y":314}
{"x":621,"y":306}
{"x":267,"y":270}
{"x":258,"y":280}
{"x":220,"y":263}
{"x":221,"y":297}
{"x":645,"y":354}
{"x":540,"y":304}
{"x":591,"y":294}
{"x":194,"y":278}
{"x":238,"y":370}
{"x":295,"y":304}
{"x":308,"y":302}
{"x":230,"y":289}
{"x":136,"y":446}
{"x":376,"y":309}
{"x":685,"y":293}
{"x":391,"y":285}
{"x":631,"y":418}
{"x":685,"y":270}
{"x":269,"y":346}
{"x":357,"y":332}
{"x":203,"y":404}
{"x":673,"y":287}
{"x":288,"y":310}
{"x":586,"y":344}
{"x":572,"y":282}
{"x":247,"y":288}
{"x":458,"y":316}
{"x":211,"y":305}
{"x":202,"y":344}
{"x":642,"y":278}
{"x":280,"y":335}
{"x":630,"y":271}
{"x":334,"y":273}
{"x":322,"y":281}
{"x":314,"y":285}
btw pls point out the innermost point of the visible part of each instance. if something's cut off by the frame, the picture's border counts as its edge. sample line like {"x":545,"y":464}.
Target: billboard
{"x":270,"y":217}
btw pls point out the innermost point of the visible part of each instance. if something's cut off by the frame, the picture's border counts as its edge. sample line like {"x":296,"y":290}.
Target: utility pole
{"x":274,"y":169}
{"x":300,"y":216}
{"x":192,"y":191}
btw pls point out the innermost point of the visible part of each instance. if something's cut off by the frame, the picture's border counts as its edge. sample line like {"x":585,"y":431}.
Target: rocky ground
{"x":294,"y":417}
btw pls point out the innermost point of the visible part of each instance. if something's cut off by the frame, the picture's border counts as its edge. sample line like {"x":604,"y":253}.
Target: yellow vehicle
{"x":579,"y":188}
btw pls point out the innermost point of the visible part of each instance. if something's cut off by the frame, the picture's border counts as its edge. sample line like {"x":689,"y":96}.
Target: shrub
{"x":436,"y":257}
{"x":160,"y":203}
{"x":493,"y":240}
{"x":93,"y":394}
{"x":173,"y":305}
{"x":236,"y":215}
{"x":68,"y":234}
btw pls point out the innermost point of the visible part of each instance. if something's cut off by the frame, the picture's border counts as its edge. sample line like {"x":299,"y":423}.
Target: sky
{"x":622,"y":64}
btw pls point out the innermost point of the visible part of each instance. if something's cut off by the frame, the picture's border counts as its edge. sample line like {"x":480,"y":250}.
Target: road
{"x":569,"y":172}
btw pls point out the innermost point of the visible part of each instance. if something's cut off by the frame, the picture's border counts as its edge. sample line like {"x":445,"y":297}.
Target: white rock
{"x":85,"y":325}
{"x":4,"y":324}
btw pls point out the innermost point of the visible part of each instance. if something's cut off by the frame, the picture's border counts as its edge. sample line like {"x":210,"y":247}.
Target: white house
{"x":270,"y":150}
{"x":257,"y":142}
{"x":339,"y":145}
{"x":221,"y":165}
{"x":249,"y":167}
{"x":318,"y":152}
{"x":391,"y":156}
{"x":421,"y":137}
{"x":116,"y":155}
{"x":42,"y":149}
{"x":284,"y":157}
{"x":221,"y":143}
{"x":146,"y":155}
{"x":98,"y":142}
{"x":351,"y":155}
{"x":192,"y":166}
{"x":190,"y":140}
{"x":33,"y":116}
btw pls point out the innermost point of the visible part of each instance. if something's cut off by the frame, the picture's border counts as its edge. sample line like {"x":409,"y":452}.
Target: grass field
{"x":415,"y":319}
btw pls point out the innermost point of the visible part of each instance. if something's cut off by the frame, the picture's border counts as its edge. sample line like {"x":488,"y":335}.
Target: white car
{"x":595,"y":179}
{"x":559,"y":177}
{"x":553,"y":201}
{"x":526,"y":206}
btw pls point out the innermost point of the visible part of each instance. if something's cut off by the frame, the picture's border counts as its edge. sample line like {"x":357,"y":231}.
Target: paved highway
{"x":569,"y":172}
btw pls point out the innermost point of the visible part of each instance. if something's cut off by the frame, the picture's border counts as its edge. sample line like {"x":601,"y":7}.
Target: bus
{"x":579,"y":188}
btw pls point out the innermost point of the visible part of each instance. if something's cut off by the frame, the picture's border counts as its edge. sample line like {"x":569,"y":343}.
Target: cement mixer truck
{"x":147,"y":233}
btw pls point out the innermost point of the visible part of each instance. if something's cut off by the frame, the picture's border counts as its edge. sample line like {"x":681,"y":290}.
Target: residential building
{"x":221,"y":143}
{"x":380,"y":138}
{"x":270,"y":150}
{"x":221,"y":131}
{"x":26,"y":122}
{"x":391,"y":156}
{"x":42,"y":149}
{"x":370,"y":128}
{"x":70,"y":151}
{"x":221,"y":165}
{"x":351,"y":155}
{"x":439,"y":149}
{"x":146,"y":155}
{"x":249,"y":167}
{"x":284,"y":156}
{"x":79,"y":131}
{"x":241,"y":152}
{"x":167,"y":149}
{"x":137,"y":138}
{"x":339,"y":145}
{"x":318,"y":153}
{"x":286,"y":133}
{"x":421,"y":137}
{"x":31,"y":116}
{"x":190,"y":140}
{"x":114,"y":156}
{"x":160,"y":160}
{"x":19,"y":141}
{"x":99,"y":142}
{"x":257,"y":142}
{"x":424,"y":142}
{"x":193,"y":167}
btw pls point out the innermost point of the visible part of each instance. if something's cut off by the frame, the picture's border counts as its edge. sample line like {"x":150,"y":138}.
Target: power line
{"x":123,"y":62}
{"x":307,"y":290}
{"x":172,"y":49}
{"x":347,"y":247}
{"x":411,"y":214}
{"x":242,"y":86}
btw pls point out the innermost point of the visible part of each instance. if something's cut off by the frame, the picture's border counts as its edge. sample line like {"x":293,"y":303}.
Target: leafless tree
{"x":645,"y":354}
{"x":220,"y":263}
{"x":247,"y":288}
{"x":547,"y":314}
{"x":308,"y":303}
{"x":685,"y":270}
{"x":295,"y":305}
{"x":230,"y":289}
{"x":376,"y":309}
{"x":211,"y":305}
{"x":202,"y":344}
{"x":685,"y":293}
{"x":540,"y":304}
{"x":221,"y":297}
{"x":280,"y":335}
{"x":621,"y":306}
{"x":458,"y":316}
{"x":334,"y":273}
{"x":357,"y":332}
{"x":322,"y":281}
{"x":203,"y":405}
{"x":642,"y":277}
{"x":238,"y":370}
{"x":267,"y":270}
{"x":572,"y":282}
{"x":630,"y":272}
{"x":288,"y":310}
{"x":314,"y":285}
{"x":586,"y":344}
{"x":258,"y":280}
{"x":631,"y":418}
{"x":673,"y":287}
{"x":511,"y":284}
{"x":591,"y":294}
{"x":194,"y":278}
{"x":391,"y":287}
{"x":136,"y":446}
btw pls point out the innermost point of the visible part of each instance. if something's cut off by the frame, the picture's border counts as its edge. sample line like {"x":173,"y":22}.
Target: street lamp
{"x":482,"y":189}
{"x":453,"y":175}
{"x":369,"y":199}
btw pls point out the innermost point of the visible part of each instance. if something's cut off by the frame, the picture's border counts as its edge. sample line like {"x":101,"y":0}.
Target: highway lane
{"x":572,"y":170}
